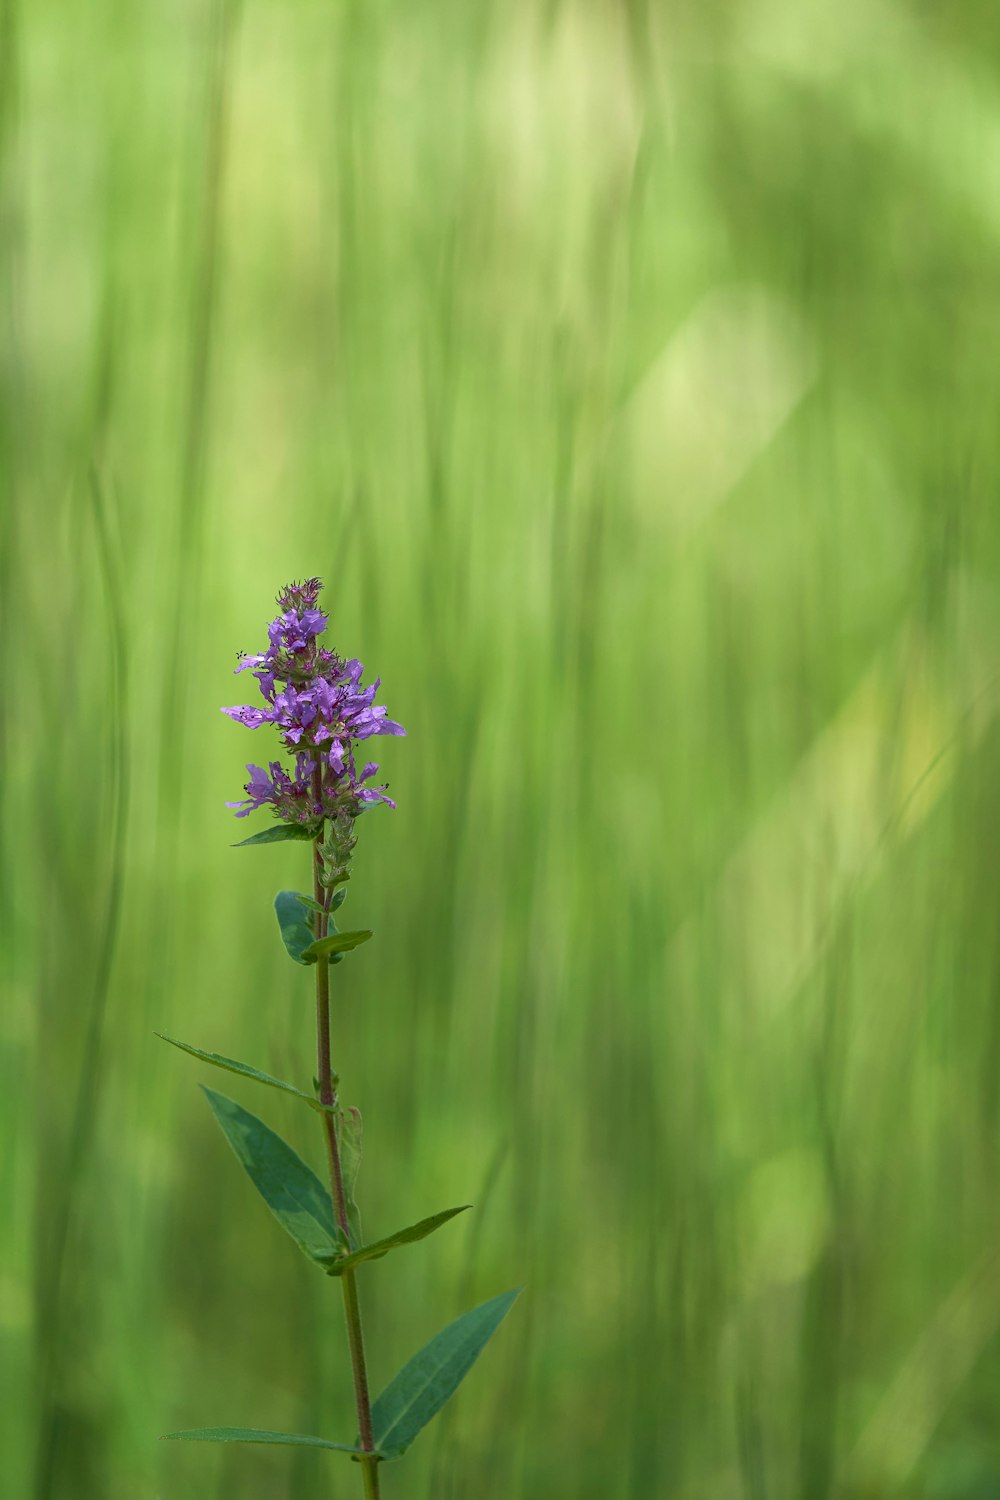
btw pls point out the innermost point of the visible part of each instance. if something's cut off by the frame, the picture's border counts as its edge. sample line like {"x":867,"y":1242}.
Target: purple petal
{"x":252,"y":718}
{"x":325,"y":696}
{"x":369,"y":794}
{"x":314,"y":622}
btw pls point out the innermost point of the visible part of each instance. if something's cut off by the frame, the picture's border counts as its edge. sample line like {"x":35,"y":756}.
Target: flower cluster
{"x":316,"y":702}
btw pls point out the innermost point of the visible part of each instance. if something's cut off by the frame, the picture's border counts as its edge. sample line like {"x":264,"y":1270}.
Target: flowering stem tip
{"x":314,"y":698}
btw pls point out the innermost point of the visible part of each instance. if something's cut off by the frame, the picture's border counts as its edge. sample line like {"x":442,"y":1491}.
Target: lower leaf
{"x":291,"y":1189}
{"x":244,"y":1070}
{"x":423,"y":1385}
{"x":408,"y":1236}
{"x":253,"y":1435}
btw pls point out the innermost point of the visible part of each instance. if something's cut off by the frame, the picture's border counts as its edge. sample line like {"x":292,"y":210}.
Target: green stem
{"x":348,"y":1282}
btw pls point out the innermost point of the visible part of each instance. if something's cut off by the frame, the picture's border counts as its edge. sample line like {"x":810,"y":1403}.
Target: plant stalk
{"x":327,"y":1094}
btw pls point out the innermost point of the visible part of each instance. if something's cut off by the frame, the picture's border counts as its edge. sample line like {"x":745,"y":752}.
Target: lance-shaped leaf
{"x":408,"y":1236}
{"x":253,"y":1435}
{"x":280,"y":833}
{"x":349,"y":1137}
{"x":243,"y":1070}
{"x":295,"y":923}
{"x":291,"y":1190}
{"x":337,"y":942}
{"x":424,"y":1384}
{"x":337,"y":899}
{"x":312,"y":904}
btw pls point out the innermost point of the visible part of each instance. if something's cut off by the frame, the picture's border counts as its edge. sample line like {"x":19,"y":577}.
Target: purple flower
{"x":371,"y":794}
{"x":317,"y":703}
{"x":259,"y":789}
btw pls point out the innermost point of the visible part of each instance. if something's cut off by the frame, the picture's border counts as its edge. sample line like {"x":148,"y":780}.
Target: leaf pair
{"x":302,"y":945}
{"x":293,"y":909}
{"x":297,"y":1198}
{"x":410,"y":1400}
{"x":288,"y":1186}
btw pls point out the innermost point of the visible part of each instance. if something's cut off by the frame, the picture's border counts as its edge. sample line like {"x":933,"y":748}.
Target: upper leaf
{"x":337,"y":942}
{"x":279,"y":833}
{"x":295,"y":923}
{"x":423,"y":1385}
{"x":291,"y":1190}
{"x":409,"y":1236}
{"x":311,"y":903}
{"x":244,"y":1070}
{"x":253,"y":1435}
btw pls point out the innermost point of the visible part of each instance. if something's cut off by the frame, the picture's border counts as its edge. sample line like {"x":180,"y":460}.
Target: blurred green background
{"x":630,"y":374}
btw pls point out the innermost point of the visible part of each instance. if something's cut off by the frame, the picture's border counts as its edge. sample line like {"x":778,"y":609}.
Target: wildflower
{"x":317,"y":703}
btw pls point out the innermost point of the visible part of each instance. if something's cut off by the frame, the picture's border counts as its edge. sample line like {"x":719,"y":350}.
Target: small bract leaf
{"x":409,"y":1236}
{"x":281,"y":833}
{"x":253,"y":1435}
{"x":296,"y":927}
{"x":424,"y":1384}
{"x":243,"y":1070}
{"x":312,"y":905}
{"x":291,"y":1190}
{"x":337,"y":942}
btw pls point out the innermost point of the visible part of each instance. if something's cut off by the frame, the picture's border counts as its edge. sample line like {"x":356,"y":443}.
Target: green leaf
{"x":244,"y":1070}
{"x":337,"y":942}
{"x":253,"y":1435}
{"x":337,"y":899}
{"x":423,"y":1385}
{"x":349,"y":1134}
{"x":409,"y":1236}
{"x":291,"y":1190}
{"x":280,"y":833}
{"x":312,"y":905}
{"x":296,"y":927}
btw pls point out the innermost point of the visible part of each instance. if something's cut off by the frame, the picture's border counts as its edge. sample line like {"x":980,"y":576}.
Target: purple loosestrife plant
{"x":314,"y":698}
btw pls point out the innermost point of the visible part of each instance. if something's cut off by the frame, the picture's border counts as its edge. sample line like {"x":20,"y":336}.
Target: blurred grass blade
{"x":349,"y":1138}
{"x":336,"y":943}
{"x":409,"y":1236}
{"x":279,"y":834}
{"x":296,"y":928}
{"x":253,"y":1435}
{"x":243,"y":1070}
{"x":291,"y":1190}
{"x":423,"y":1385}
